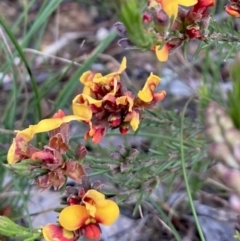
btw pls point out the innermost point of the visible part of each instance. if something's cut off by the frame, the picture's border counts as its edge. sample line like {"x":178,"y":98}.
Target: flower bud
{"x":236,"y":153}
{"x":230,"y":177}
{"x":193,"y":31}
{"x":233,"y":10}
{"x":162,"y":18}
{"x":92,"y":231}
{"x":234,"y":202}
{"x":146,"y":17}
{"x":125,"y":43}
{"x":222,"y":152}
{"x":214,"y":132}
{"x":115,"y":120}
{"x":120,"y":28}
{"x":232,"y":137}
{"x":205,"y":3}
{"x":124,"y":128}
{"x":80,"y":152}
{"x":225,"y":121}
{"x":72,"y":200}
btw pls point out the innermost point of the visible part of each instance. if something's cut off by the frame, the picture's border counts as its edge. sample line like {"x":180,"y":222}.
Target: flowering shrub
{"x":106,"y":104}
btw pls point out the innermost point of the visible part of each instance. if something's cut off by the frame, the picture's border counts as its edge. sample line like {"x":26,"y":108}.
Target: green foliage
{"x":10,"y":229}
{"x":130,"y":14}
{"x":234,"y":95}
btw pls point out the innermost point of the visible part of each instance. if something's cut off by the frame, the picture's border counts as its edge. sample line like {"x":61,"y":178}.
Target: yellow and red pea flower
{"x":94,"y":210}
{"x":55,"y":232}
{"x":233,"y":10}
{"x":111,"y":105}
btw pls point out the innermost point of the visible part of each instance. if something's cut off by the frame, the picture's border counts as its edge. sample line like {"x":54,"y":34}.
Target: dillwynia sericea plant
{"x":105,"y":103}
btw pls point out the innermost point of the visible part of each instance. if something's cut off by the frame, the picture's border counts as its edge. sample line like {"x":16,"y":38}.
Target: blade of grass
{"x":40,"y":20}
{"x":22,"y":56}
{"x":164,"y":216}
{"x":185,"y":173}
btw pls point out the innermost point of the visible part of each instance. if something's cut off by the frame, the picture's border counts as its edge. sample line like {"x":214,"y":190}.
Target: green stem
{"x":185,"y":174}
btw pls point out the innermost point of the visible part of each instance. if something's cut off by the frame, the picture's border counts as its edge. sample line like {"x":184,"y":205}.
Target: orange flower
{"x":95,"y":210}
{"x":55,"y":232}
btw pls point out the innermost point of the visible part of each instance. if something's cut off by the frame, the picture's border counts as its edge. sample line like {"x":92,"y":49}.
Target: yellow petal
{"x":88,"y":99}
{"x":55,"y":232}
{"x":134,"y":123}
{"x":91,"y":199}
{"x":105,"y":80}
{"x":123,"y":65}
{"x":107,"y":212}
{"x":73,"y":217}
{"x":146,"y":94}
{"x":87,"y":90}
{"x":78,"y":109}
{"x":170,"y":7}
{"x":124,"y":100}
{"x":50,"y":124}
{"x":133,"y":118}
{"x":162,"y":53}
{"x":18,"y":143}
{"x":187,"y":3}
{"x":86,"y":77}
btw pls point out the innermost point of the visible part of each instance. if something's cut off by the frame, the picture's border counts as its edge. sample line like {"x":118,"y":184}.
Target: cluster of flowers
{"x":85,"y":211}
{"x":51,"y":160}
{"x":105,"y":103}
{"x":171,"y":25}
{"x":111,"y":105}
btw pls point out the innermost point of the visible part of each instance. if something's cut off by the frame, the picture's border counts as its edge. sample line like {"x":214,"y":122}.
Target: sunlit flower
{"x":95,"y":210}
{"x":54,"y":232}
